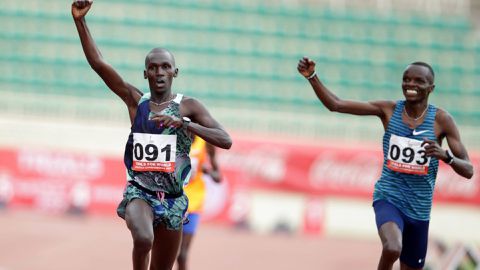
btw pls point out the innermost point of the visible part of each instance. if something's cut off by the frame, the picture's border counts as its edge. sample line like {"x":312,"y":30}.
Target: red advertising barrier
{"x":329,"y":170}
{"x":57,"y":181}
{"x":62,"y":181}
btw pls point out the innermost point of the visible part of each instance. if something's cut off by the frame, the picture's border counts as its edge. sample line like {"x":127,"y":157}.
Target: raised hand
{"x":306,"y":66}
{"x":80,"y":8}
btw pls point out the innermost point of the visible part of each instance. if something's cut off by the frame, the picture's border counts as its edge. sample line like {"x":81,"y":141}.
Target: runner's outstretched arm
{"x":128,"y":93}
{"x":382,"y":109}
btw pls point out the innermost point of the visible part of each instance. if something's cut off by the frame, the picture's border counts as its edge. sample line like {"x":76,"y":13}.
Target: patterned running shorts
{"x":169,"y":211}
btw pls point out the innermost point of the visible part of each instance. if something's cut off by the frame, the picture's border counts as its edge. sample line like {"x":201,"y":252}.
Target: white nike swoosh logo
{"x":416,"y":133}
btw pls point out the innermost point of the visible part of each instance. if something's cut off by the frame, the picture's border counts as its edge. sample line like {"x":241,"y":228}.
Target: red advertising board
{"x":329,"y":169}
{"x":56,"y":181}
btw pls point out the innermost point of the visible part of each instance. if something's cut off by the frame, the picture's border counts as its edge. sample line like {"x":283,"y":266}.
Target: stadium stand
{"x":240,"y":59}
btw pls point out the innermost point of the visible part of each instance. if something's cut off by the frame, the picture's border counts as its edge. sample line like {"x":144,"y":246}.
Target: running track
{"x":34,"y":241}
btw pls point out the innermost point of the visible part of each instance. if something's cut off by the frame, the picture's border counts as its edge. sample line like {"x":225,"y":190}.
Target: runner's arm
{"x":214,"y":170}
{"x":382,"y":109}
{"x":461,"y":162}
{"x":203,"y":124}
{"x":128,"y":93}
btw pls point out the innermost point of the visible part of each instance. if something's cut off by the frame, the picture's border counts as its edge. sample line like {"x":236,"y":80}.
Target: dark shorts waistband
{"x":154,"y":193}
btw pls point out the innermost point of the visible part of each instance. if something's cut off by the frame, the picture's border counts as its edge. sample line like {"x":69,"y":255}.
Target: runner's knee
{"x":142,"y":241}
{"x":392,"y":249}
{"x":182,"y":255}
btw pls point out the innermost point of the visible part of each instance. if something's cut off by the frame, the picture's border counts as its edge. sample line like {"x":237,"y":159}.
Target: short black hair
{"x":423,"y":64}
{"x":156,"y":50}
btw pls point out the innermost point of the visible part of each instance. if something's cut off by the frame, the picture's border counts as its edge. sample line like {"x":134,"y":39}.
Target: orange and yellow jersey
{"x":195,"y":189}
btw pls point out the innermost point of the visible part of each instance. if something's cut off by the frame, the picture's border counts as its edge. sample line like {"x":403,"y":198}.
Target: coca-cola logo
{"x":340,"y":171}
{"x":266,"y":163}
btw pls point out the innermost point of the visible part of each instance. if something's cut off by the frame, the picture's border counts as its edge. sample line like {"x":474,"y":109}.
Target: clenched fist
{"x":80,"y":8}
{"x":306,"y":67}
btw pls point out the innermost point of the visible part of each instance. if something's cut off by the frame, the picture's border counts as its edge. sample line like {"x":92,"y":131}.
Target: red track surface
{"x":35,"y":241}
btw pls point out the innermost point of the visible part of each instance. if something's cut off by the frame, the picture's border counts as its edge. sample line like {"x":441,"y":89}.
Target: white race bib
{"x":406,"y":155}
{"x":154,"y":152}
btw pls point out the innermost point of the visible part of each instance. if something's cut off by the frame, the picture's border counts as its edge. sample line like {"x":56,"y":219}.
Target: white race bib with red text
{"x":154,"y":152}
{"x":406,"y":155}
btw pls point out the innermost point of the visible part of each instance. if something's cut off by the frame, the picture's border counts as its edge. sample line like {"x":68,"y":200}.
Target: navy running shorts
{"x":414,"y":232}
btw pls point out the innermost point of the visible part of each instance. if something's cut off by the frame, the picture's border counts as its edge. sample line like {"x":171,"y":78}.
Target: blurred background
{"x":298,"y":180}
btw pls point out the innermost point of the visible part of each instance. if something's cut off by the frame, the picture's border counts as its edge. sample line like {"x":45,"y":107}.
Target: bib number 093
{"x":407,"y":155}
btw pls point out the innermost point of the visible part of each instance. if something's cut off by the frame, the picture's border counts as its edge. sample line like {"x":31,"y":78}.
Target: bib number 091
{"x":150,"y":152}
